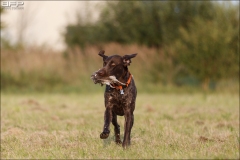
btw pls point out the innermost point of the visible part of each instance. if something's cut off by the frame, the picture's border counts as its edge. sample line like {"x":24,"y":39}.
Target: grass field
{"x":167,"y":126}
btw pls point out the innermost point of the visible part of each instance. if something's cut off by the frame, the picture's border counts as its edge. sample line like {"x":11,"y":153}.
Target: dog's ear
{"x":101,"y":53}
{"x":127,"y":59}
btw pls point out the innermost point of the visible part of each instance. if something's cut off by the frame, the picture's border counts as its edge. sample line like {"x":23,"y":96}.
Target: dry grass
{"x":36,"y":59}
{"x":36,"y":69}
{"x":58,"y":126}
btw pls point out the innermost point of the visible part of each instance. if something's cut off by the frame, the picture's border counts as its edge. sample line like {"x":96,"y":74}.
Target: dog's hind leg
{"x":116,"y":128}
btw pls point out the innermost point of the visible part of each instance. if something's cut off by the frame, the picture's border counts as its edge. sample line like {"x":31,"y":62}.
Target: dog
{"x":120,"y":94}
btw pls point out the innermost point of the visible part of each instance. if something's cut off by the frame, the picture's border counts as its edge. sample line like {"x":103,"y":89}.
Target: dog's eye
{"x":113,"y":64}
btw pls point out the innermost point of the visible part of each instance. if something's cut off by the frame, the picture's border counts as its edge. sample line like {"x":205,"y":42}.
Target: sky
{"x":43,"y":22}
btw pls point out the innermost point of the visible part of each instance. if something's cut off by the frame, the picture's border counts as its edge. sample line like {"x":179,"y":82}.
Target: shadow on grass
{"x":107,"y":142}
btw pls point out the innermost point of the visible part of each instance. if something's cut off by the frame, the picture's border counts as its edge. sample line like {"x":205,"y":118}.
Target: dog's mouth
{"x":110,"y":80}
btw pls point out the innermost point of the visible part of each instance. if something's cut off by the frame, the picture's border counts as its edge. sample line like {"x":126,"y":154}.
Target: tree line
{"x":200,"y":36}
{"x":195,"y":41}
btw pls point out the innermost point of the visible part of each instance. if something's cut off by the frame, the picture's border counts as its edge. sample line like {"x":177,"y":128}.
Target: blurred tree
{"x":151,"y":23}
{"x":2,"y":24}
{"x":5,"y":44}
{"x":133,"y":22}
{"x":202,"y":36}
{"x":208,"y":48}
{"x":26,"y":18}
{"x":176,"y":14}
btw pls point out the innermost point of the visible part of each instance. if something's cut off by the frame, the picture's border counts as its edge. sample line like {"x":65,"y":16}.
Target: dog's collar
{"x":120,"y":87}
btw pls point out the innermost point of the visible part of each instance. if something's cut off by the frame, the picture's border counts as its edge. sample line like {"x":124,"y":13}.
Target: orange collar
{"x":128,"y":82}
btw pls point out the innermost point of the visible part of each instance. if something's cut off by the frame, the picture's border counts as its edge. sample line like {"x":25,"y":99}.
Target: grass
{"x":43,"y":70}
{"x":167,"y":126}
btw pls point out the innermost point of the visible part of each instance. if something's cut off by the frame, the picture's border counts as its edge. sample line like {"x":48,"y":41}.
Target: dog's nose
{"x":101,"y":72}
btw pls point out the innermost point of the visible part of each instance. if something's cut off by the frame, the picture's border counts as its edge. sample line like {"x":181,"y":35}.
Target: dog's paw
{"x":104,"y":135}
{"x":118,"y":141}
{"x":125,"y":145}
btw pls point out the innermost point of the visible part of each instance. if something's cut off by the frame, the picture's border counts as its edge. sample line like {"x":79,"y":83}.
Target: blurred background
{"x":182,"y":46}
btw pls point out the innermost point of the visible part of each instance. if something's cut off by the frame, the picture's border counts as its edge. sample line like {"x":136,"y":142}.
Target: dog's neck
{"x":125,"y":84}
{"x":125,"y":76}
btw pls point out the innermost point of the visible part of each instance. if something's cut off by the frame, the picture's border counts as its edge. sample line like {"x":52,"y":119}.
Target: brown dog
{"x":120,"y":94}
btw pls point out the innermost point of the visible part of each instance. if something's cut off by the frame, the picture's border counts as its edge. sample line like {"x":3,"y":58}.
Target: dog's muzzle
{"x":98,"y":77}
{"x":94,"y":78}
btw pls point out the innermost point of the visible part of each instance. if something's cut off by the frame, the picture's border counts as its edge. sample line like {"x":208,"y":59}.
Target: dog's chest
{"x":117,"y":104}
{"x":113,"y":98}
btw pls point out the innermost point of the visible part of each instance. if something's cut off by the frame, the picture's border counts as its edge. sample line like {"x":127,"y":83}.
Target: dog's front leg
{"x":107,"y":120}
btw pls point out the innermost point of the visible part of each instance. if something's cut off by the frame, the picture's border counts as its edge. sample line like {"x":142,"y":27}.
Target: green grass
{"x":167,"y":126}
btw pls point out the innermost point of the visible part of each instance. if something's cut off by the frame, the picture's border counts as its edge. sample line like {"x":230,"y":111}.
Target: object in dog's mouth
{"x":114,"y":79}
{"x":107,"y":80}
{"x":93,"y":77}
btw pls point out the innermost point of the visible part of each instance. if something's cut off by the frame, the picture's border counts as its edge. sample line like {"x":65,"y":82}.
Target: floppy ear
{"x":127,"y":59}
{"x":101,"y":53}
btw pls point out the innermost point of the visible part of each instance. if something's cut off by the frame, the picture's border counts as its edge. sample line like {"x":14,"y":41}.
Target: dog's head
{"x":114,"y":67}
